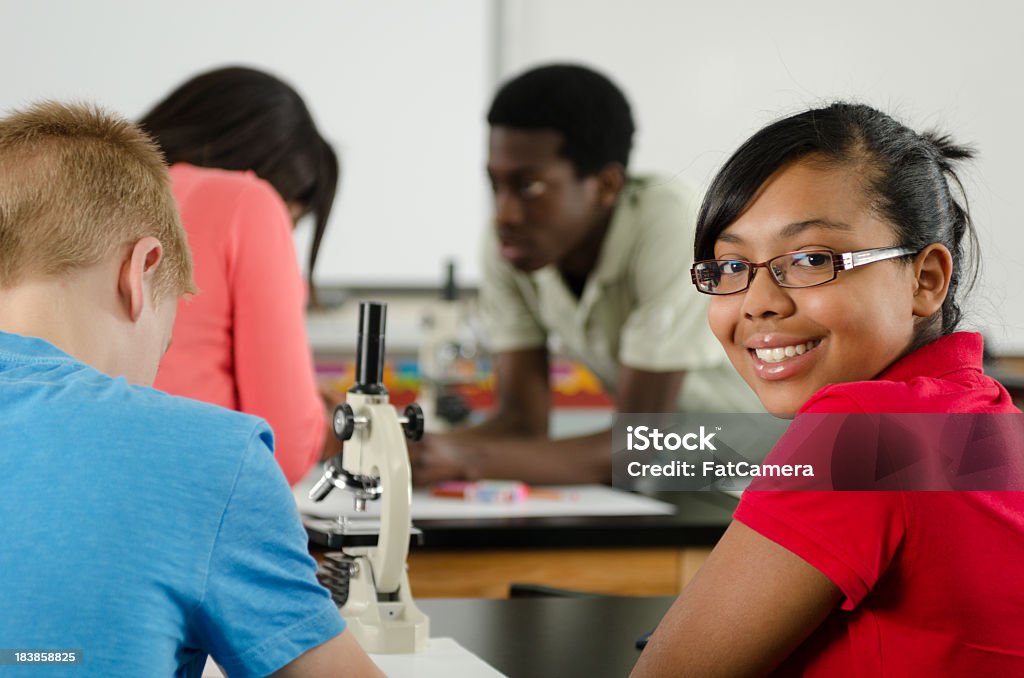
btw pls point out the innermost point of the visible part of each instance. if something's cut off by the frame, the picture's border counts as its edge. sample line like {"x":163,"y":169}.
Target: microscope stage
{"x":334,"y":534}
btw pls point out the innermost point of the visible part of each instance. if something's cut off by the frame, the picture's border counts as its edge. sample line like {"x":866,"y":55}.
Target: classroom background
{"x":401,"y":88}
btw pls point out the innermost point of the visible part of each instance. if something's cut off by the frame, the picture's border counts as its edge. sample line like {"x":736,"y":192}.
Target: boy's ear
{"x":138,"y":268}
{"x":933,"y":269}
{"x":610,"y":180}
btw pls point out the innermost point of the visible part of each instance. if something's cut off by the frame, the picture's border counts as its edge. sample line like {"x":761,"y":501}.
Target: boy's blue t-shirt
{"x":144,"y":531}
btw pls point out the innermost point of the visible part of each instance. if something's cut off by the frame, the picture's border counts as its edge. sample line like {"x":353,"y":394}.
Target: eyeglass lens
{"x":796,"y":269}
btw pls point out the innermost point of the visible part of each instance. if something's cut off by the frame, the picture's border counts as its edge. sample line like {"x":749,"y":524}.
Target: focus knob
{"x":413,"y":425}
{"x":344,"y":421}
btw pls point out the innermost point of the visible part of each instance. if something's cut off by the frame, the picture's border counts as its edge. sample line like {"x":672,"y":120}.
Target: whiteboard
{"x":703,"y":76}
{"x":399,"y":87}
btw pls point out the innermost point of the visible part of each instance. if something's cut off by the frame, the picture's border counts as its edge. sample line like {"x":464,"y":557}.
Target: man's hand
{"x":442,"y":457}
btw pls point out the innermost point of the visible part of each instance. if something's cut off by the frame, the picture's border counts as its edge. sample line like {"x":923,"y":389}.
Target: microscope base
{"x":384,"y":626}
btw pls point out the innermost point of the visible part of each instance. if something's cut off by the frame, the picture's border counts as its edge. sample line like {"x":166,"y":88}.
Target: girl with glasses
{"x":834,"y":243}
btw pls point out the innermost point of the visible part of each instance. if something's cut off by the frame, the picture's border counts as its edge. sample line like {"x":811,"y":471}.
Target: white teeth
{"x":780,"y":353}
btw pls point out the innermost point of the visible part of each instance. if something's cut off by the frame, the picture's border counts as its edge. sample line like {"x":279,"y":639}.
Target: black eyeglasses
{"x":806,"y":268}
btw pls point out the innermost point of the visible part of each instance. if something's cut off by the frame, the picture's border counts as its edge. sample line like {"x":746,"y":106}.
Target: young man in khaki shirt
{"x":592,"y":259}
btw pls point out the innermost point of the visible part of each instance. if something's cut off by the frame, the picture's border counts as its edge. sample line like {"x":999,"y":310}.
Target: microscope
{"x":444,"y":352}
{"x":368,"y":581}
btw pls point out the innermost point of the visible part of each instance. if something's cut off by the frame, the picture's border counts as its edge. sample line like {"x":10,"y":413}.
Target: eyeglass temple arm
{"x":848,"y":260}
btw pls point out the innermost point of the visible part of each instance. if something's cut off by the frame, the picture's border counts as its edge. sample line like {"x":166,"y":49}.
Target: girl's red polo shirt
{"x":933,"y":582}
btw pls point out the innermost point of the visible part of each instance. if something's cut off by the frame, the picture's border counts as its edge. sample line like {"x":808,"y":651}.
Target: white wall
{"x":401,"y":88}
{"x":398,"y":86}
{"x":704,"y":76}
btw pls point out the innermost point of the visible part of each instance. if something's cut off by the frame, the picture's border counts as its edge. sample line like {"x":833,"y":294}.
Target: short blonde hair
{"x":76,"y":184}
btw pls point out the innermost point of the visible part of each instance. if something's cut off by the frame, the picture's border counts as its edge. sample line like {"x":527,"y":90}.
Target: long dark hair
{"x":239,"y":118}
{"x":909,"y":179}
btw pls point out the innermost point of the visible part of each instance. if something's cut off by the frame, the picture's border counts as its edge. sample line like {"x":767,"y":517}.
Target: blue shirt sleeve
{"x":262,"y":606}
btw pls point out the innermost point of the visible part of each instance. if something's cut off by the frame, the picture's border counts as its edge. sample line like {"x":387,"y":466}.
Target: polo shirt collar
{"x":945,"y":355}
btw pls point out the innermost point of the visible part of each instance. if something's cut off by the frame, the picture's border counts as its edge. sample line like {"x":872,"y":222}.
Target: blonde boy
{"x":142,"y":532}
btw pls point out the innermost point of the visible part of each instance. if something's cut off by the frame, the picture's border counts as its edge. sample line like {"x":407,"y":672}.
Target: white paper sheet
{"x":572,"y":500}
{"x":443,"y":658}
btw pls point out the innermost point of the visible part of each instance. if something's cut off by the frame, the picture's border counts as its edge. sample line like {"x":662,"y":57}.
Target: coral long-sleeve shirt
{"x":241,"y":341}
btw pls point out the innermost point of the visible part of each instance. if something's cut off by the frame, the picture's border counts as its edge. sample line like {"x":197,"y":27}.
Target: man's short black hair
{"x":585,"y":107}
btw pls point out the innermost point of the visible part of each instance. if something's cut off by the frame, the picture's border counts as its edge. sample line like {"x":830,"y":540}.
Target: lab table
{"x":618,"y":555}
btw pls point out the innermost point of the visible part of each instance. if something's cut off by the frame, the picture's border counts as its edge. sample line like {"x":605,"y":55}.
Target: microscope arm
{"x":387,"y":457}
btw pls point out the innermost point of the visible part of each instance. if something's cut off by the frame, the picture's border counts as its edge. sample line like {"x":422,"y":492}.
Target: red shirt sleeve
{"x":850,"y":537}
{"x":273,"y":365}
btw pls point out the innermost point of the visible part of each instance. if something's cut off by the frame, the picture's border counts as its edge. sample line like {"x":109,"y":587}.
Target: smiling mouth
{"x":780,"y":354}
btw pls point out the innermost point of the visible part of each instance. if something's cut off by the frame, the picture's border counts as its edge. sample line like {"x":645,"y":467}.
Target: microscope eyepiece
{"x":370,"y":349}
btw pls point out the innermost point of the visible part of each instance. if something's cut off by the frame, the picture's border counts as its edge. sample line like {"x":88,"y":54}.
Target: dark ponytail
{"x":961,"y":227}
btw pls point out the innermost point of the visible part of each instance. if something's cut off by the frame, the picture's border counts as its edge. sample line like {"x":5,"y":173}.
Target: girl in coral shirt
{"x":246,"y":162}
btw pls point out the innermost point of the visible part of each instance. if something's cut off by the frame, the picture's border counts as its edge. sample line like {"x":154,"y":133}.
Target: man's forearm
{"x":581,"y":459}
{"x":499,"y":425}
{"x":504,"y":448}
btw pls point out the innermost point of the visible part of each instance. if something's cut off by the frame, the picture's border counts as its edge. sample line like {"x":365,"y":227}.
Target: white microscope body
{"x":374,"y":464}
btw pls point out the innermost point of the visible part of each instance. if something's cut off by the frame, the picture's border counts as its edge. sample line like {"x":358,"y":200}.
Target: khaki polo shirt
{"x":638,"y":307}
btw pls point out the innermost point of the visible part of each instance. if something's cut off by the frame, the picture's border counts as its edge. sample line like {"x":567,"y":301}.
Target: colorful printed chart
{"x":574,"y":386}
